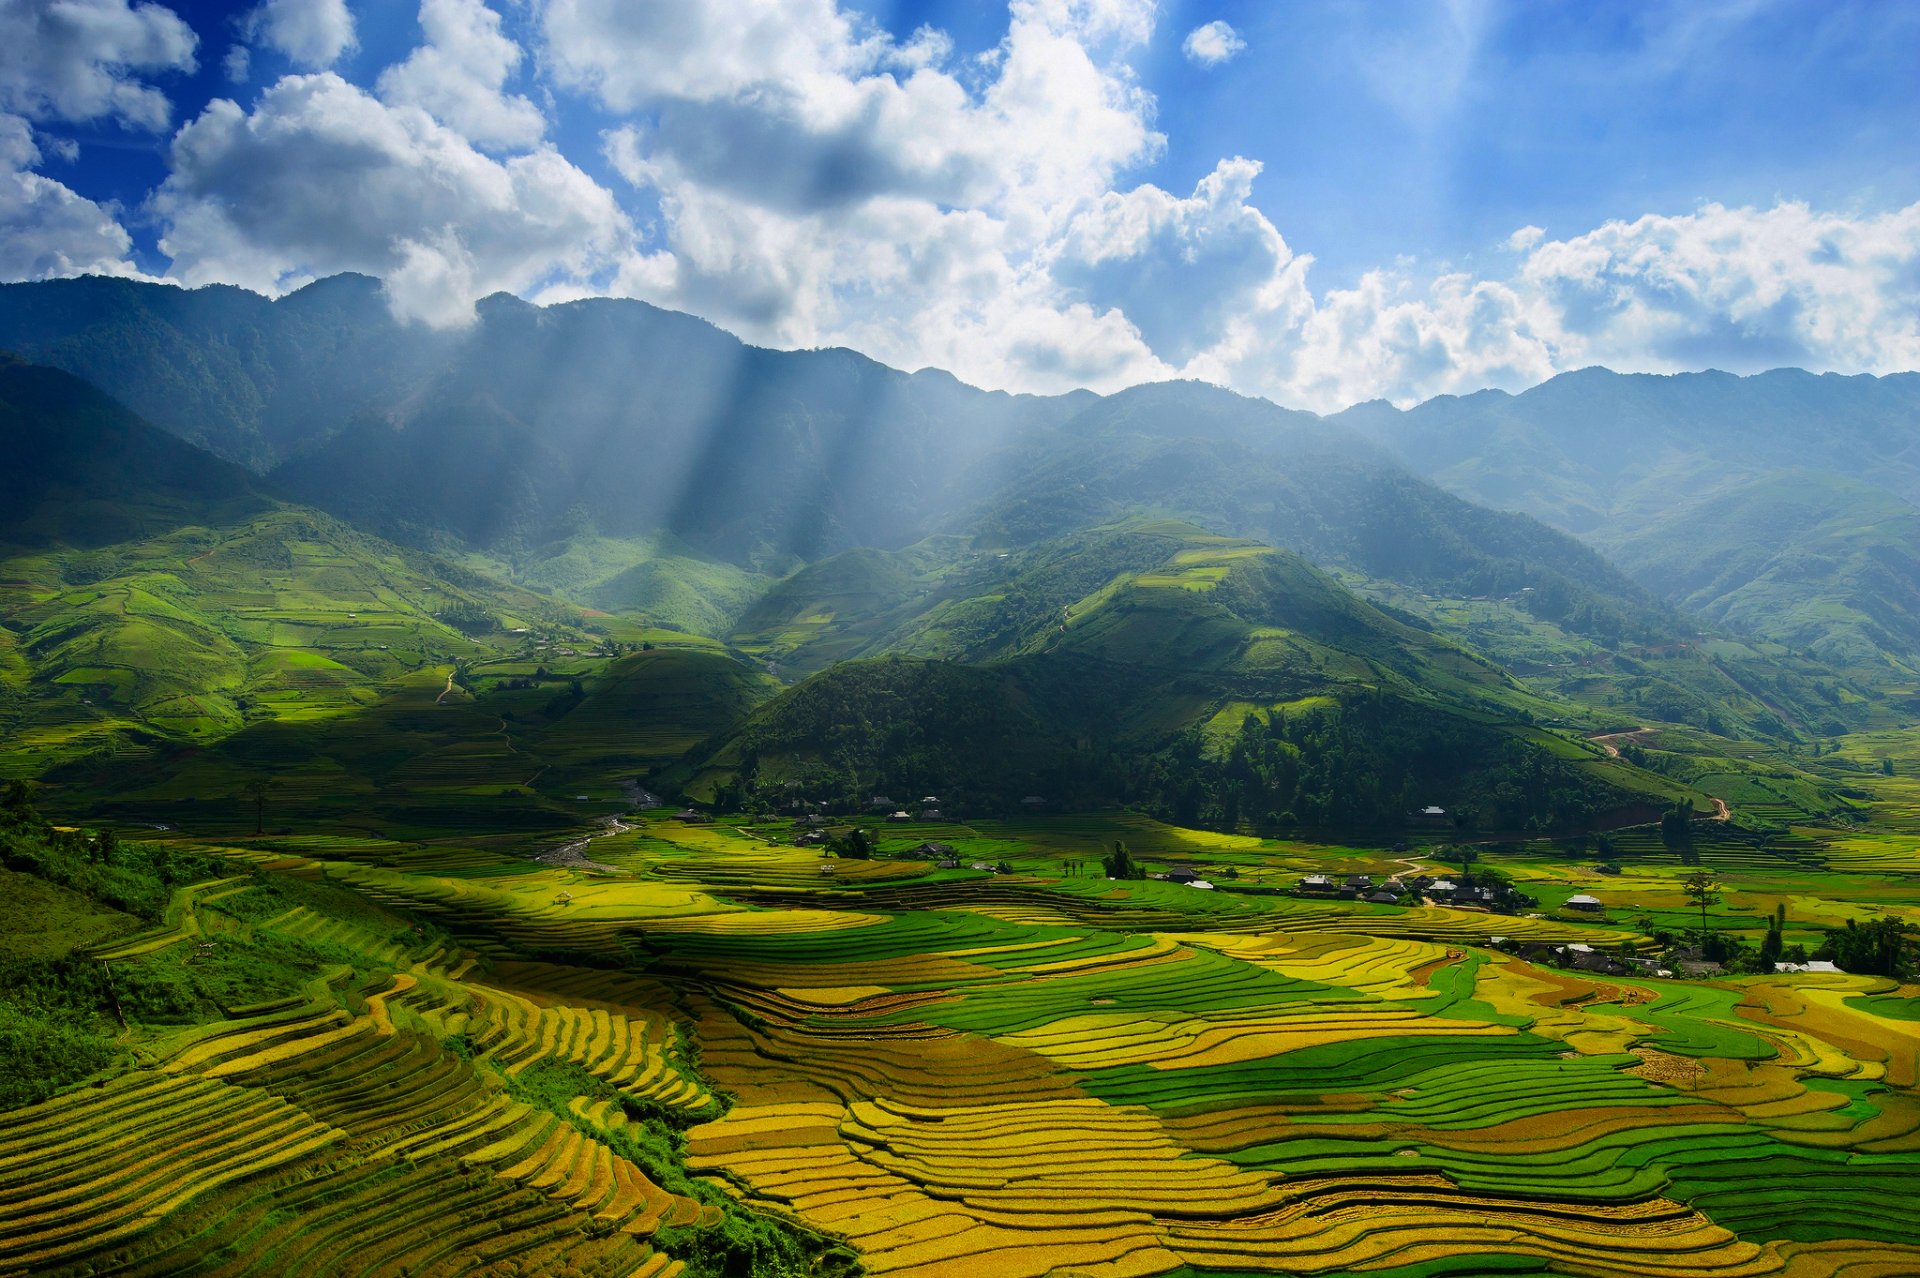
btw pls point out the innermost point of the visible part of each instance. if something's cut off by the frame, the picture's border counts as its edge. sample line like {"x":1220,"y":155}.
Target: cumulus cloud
{"x":821,"y":181}
{"x":810,"y":179}
{"x":1741,"y":289}
{"x":1212,"y":44}
{"x":460,"y":74}
{"x":81,"y":60}
{"x":311,"y":33}
{"x":254,"y":198}
{"x":1183,"y":271}
{"x":1738,"y":288}
{"x":46,"y":230}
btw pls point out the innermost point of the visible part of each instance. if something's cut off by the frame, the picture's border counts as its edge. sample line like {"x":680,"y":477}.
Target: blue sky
{"x":1344,"y":200}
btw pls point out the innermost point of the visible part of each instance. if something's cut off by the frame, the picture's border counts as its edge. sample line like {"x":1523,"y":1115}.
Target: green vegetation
{"x":1140,"y":834}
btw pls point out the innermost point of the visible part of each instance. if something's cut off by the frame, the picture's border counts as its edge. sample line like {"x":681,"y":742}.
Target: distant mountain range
{"x":627,"y":458}
{"x":1779,"y":505}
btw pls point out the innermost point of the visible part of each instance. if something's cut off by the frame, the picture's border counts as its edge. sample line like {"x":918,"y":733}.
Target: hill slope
{"x":1828,"y":565}
{"x":149,"y":591}
{"x":1672,"y":474}
{"x":1206,"y":678}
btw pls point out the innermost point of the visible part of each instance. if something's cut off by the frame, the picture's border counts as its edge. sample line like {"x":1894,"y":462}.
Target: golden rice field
{"x":956,"y":1073}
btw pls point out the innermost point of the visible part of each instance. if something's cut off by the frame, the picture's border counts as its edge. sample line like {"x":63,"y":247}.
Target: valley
{"x":582,"y":795}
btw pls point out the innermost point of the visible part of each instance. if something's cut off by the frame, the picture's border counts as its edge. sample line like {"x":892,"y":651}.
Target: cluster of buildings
{"x":929,"y":809}
{"x":1411,"y":889}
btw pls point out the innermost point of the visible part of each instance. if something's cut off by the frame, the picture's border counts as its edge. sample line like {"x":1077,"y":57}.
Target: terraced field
{"x":950,"y":1071}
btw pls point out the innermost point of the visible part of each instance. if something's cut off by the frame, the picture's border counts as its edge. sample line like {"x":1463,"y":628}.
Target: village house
{"x":1585,"y":903}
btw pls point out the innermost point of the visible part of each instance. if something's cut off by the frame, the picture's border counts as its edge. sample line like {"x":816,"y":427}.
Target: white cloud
{"x":820,"y":182}
{"x":1183,"y":271}
{"x":819,"y":185}
{"x":46,"y":230}
{"x":1212,"y":44}
{"x":255,"y":198}
{"x":1738,"y":288}
{"x":311,"y":33}
{"x":460,"y":74}
{"x":80,"y":59}
{"x":1741,"y":289}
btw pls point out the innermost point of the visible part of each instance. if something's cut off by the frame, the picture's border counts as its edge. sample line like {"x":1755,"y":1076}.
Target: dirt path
{"x":1638,"y":736}
{"x":446,"y":691}
{"x":1720,"y":812}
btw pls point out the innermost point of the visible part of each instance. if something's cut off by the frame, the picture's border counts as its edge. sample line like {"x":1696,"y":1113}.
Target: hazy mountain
{"x":1593,"y":450}
{"x":608,"y":419}
{"x":82,"y":470}
{"x":1677,"y":478}
{"x":250,"y":379}
{"x":151,"y":591}
{"x":1828,"y":565}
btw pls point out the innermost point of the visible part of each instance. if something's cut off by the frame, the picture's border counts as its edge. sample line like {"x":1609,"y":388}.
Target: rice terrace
{"x":1061,"y":639}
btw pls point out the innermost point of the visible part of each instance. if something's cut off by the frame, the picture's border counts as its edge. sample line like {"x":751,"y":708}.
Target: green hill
{"x":1206,"y":678}
{"x":1679,"y":478}
{"x":151,"y":593}
{"x":1830,"y":566}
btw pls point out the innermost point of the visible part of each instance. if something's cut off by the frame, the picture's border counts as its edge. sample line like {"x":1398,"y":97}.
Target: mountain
{"x":542,"y":428}
{"x":1205,"y":678}
{"x":150,"y":592}
{"x":249,"y":379}
{"x":1828,"y":565}
{"x":639,"y":462}
{"x":1246,"y":468}
{"x":83,"y":471}
{"x":1658,"y":471}
{"x":1594,"y":449}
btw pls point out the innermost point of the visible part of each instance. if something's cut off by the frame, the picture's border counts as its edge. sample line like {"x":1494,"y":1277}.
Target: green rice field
{"x":703,"y":1052}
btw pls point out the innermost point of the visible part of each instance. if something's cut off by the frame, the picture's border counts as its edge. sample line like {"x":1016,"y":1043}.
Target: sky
{"x":1317,"y":201}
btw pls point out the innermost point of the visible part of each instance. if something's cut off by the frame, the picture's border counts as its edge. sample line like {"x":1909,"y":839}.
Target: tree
{"x":1466,"y":854}
{"x":1883,"y":947}
{"x":1703,"y":890}
{"x":1676,"y":825}
{"x":857,"y":846}
{"x":1120,"y":864}
{"x":257,"y":790}
{"x":18,"y":802}
{"x":1773,"y":944}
